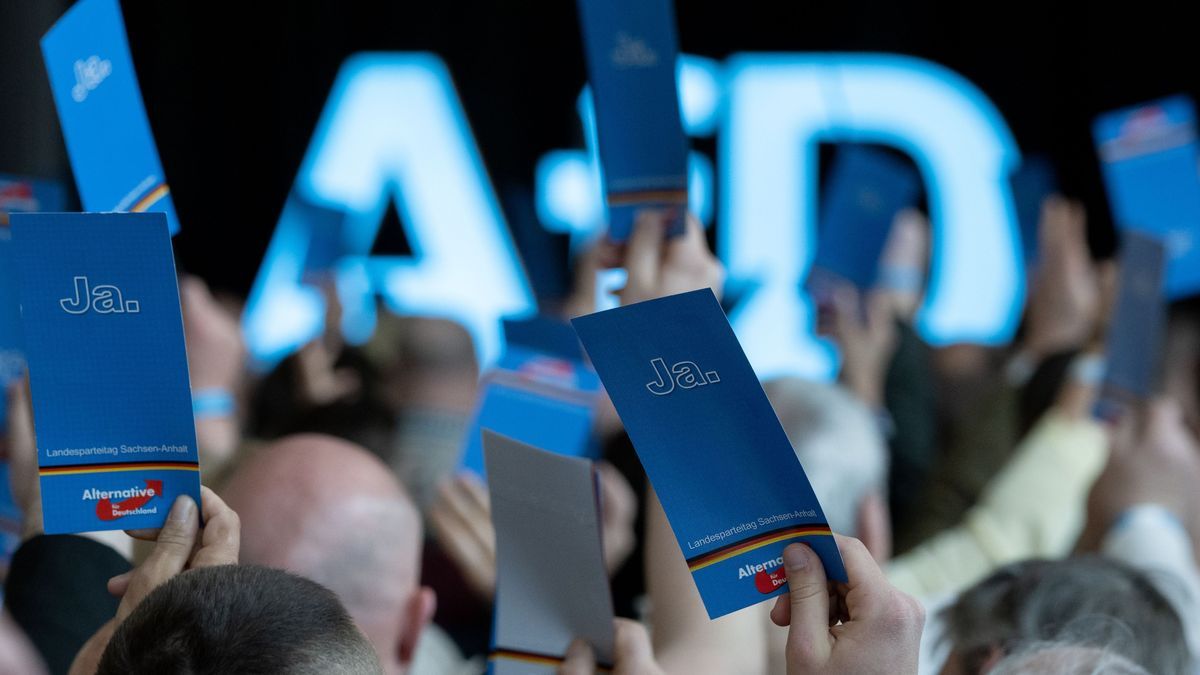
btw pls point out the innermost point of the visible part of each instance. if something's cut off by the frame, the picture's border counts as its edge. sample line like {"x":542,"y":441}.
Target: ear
{"x":874,"y":527}
{"x":418,"y":614}
{"x":995,"y":654}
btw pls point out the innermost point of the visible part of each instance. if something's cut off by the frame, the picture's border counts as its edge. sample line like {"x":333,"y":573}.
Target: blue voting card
{"x":714,"y":450}
{"x":1031,"y":184}
{"x":326,"y":228}
{"x":867,"y":187}
{"x":12,"y":356}
{"x":551,"y":581}
{"x":112,"y":404}
{"x":1149,"y":158}
{"x":541,"y":392}
{"x":631,"y":55}
{"x":18,"y":194}
{"x":100,"y":109}
{"x":21,"y":194}
{"x":1138,"y":327}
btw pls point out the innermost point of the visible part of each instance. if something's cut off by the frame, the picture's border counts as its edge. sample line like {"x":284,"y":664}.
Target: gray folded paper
{"x":551,"y":582}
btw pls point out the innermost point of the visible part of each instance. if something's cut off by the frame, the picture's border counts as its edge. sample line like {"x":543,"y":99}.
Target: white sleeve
{"x":1151,"y":538}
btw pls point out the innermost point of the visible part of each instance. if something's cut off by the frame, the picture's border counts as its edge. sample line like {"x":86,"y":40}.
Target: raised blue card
{"x":112,"y":404}
{"x":1031,"y":184}
{"x":722,"y":466}
{"x":1133,"y":356}
{"x":541,"y":393}
{"x":631,"y":54}
{"x":867,"y":187}
{"x":101,"y":112}
{"x":18,"y":194}
{"x":12,"y":358}
{"x":1149,"y":158}
{"x":21,"y":194}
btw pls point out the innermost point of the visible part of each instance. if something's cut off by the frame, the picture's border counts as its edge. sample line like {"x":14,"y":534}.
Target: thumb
{"x":579,"y":660}
{"x":175,"y":540}
{"x":808,"y":602}
{"x":169,"y":557}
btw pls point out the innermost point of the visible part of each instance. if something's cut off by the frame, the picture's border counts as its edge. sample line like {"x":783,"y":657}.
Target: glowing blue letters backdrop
{"x":393,"y":128}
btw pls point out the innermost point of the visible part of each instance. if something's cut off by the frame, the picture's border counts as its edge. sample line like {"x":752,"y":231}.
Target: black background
{"x":234,"y":89}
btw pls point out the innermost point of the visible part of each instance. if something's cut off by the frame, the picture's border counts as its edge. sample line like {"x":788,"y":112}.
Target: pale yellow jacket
{"x":1034,"y":507}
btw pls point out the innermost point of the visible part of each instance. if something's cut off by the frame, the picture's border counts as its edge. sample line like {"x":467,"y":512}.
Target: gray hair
{"x":838,"y":441}
{"x":1057,"y":658}
{"x":1087,"y":601}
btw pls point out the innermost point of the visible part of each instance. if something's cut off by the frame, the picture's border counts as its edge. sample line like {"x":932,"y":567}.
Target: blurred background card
{"x":711,"y":444}
{"x":325,"y":228}
{"x":100,"y":109}
{"x":22,"y":194}
{"x":551,"y":582}
{"x":866,"y":188}
{"x":112,"y":404}
{"x":542,"y":393}
{"x":1149,"y":157}
{"x":12,"y":360}
{"x":1138,"y":326}
{"x":18,"y":194}
{"x":1031,"y":183}
{"x":631,"y":56}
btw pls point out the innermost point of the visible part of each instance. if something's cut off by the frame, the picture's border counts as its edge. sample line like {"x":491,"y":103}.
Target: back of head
{"x":280,"y":407}
{"x":1087,"y":601}
{"x":239,"y":619}
{"x":1059,"y":659}
{"x":332,"y":511}
{"x":838,"y":441}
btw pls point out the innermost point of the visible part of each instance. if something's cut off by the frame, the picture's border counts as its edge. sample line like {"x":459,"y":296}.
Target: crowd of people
{"x":989,"y":524}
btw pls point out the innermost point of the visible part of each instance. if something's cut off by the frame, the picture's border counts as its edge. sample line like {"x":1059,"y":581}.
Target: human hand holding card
{"x":182,"y":544}
{"x":712,"y":446}
{"x":112,"y":404}
{"x":862,"y":625}
{"x":657,"y":266}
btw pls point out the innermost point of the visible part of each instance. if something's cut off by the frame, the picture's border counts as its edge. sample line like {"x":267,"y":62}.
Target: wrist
{"x":1131,"y":515}
{"x":213,"y":402}
{"x":32,"y":524}
{"x":1020,"y":367}
{"x":868,"y":390}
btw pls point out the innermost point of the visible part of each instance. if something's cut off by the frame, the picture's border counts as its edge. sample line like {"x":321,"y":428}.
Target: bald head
{"x":331,"y":511}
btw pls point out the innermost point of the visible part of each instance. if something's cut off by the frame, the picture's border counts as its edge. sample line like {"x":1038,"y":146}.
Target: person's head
{"x":1066,"y":659}
{"x":238,"y":619}
{"x":843,"y":452}
{"x":333,"y":512}
{"x":424,"y":362}
{"x":1086,"y":601}
{"x":315,"y":391}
